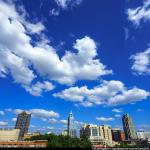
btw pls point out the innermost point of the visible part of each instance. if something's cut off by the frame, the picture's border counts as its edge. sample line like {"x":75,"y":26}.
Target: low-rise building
{"x":117,"y":135}
{"x":24,"y":144}
{"x":9,"y":135}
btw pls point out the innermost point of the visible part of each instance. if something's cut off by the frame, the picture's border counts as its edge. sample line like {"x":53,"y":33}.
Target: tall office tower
{"x":71,"y":126}
{"x":128,"y":127}
{"x":23,"y":121}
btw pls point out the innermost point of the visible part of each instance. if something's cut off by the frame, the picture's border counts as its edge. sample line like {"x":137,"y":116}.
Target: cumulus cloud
{"x":24,"y":62}
{"x":16,"y":66}
{"x":14,"y":119}
{"x":117,"y":110}
{"x":140,"y":110}
{"x":39,"y":113}
{"x":38,"y":88}
{"x":8,"y":109}
{"x":54,"y":12}
{"x":3,"y":123}
{"x":141,"y":62}
{"x":105,"y":119}
{"x":107,"y":93}
{"x":63,"y":121}
{"x":117,"y":115}
{"x":52,"y":120}
{"x":65,"y":4}
{"x":139,"y":14}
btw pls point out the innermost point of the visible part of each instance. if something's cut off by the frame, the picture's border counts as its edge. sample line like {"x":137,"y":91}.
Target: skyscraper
{"x":71,"y":126}
{"x":128,"y":127}
{"x":23,"y":121}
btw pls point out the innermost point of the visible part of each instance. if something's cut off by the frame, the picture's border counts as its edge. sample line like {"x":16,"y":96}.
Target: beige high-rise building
{"x":107,"y":135}
{"x":9,"y":135}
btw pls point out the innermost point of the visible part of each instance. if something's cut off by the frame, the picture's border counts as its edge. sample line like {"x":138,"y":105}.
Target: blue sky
{"x":88,"y":56}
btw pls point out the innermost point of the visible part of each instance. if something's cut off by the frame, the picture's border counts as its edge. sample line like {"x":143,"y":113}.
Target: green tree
{"x":59,"y":141}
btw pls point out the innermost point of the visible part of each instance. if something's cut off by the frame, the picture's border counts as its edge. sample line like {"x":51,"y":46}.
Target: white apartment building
{"x":143,"y":135}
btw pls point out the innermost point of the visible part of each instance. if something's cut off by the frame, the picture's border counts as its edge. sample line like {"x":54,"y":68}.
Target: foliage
{"x":60,"y":141}
{"x":139,"y":144}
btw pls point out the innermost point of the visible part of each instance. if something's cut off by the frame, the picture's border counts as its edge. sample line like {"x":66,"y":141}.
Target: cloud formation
{"x":107,"y":93}
{"x":39,"y":113}
{"x":3,"y":123}
{"x":117,"y":110}
{"x":38,"y":88}
{"x":66,"y":4}
{"x":24,"y":62}
{"x":139,"y":14}
{"x":105,"y":119}
{"x":141,"y":63}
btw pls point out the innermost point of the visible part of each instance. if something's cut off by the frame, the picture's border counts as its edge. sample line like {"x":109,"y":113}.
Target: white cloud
{"x":63,"y":121}
{"x":143,"y":127}
{"x":117,"y":110}
{"x":39,"y":113}
{"x":17,"y":66}
{"x":139,"y":14}
{"x":139,"y":110}
{"x":43,"y":113}
{"x":79,"y":123}
{"x":141,"y":62}
{"x":35,"y":28}
{"x":104,"y":119}
{"x":54,"y":12}
{"x":2,"y":113}
{"x":14,"y":119}
{"x":25,"y":62}
{"x":107,"y":93}
{"x":65,"y":4}
{"x":8,"y":110}
{"x":38,"y":88}
{"x":52,"y":120}
{"x":129,"y":96}
{"x":117,"y":115}
{"x":3,"y":123}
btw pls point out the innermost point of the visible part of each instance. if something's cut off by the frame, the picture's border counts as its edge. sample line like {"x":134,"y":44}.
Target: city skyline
{"x":57,"y":56}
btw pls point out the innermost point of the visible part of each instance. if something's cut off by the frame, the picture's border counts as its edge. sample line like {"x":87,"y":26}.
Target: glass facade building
{"x":71,"y":126}
{"x":129,"y":129}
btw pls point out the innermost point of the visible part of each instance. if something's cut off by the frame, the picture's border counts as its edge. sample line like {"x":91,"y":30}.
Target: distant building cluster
{"x":98,"y":135}
{"x":105,"y":135}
